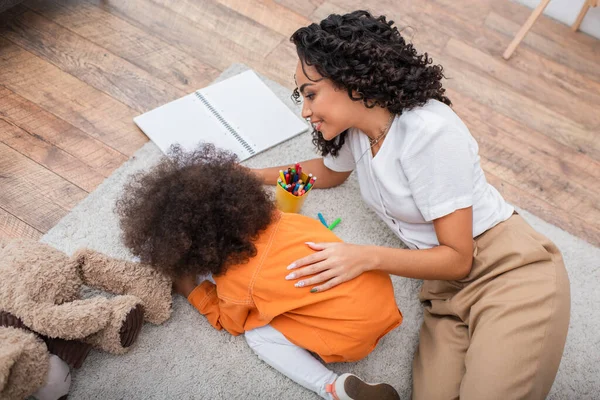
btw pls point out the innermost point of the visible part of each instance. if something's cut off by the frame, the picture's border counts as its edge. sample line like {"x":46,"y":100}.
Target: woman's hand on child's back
{"x":184,"y":285}
{"x":333,"y":263}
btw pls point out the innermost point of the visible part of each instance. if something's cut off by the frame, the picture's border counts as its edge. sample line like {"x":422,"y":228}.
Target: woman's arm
{"x":339,"y":262}
{"x":326,"y":177}
{"x":451,"y":260}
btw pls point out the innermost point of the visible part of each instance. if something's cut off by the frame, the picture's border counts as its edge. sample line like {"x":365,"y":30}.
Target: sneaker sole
{"x":359,"y":390}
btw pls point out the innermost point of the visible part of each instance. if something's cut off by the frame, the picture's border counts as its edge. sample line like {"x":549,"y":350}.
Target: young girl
{"x":496,"y":292}
{"x":202,"y":213}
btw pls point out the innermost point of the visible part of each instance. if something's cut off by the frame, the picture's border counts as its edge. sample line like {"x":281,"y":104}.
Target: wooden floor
{"x":73,"y":74}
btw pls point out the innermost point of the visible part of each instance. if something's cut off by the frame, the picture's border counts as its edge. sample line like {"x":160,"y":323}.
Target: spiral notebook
{"x":240,"y":114}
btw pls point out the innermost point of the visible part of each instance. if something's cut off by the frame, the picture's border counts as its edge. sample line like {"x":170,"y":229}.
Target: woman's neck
{"x":374,"y":122}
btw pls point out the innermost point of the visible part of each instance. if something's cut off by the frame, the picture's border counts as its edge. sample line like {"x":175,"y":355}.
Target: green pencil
{"x":334,"y":223}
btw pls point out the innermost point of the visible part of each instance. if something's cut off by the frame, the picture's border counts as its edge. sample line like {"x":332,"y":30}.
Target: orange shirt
{"x":341,"y":324}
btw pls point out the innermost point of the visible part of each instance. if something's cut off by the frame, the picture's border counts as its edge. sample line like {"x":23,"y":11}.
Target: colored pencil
{"x":334,"y":224}
{"x":322,"y":220}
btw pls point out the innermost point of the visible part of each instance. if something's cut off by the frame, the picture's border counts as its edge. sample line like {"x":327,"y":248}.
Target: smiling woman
{"x":378,"y":107}
{"x":365,"y":61}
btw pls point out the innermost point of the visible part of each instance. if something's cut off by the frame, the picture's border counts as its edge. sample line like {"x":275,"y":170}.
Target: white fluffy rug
{"x":186,"y":358}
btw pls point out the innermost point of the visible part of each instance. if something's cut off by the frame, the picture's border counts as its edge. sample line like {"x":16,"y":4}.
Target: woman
{"x":496,"y":292}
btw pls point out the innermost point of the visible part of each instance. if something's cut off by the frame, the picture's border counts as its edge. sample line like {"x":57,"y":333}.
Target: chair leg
{"x":584,"y":10}
{"x":525,"y":28}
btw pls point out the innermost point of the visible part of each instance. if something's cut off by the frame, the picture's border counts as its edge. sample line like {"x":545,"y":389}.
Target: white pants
{"x":294,"y":362}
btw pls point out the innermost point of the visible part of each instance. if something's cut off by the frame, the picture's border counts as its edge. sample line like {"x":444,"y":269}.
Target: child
{"x":201,"y":213}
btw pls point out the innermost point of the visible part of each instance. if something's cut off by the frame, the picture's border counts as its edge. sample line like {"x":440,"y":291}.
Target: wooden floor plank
{"x":88,"y":62}
{"x":545,"y":211}
{"x":12,"y":227}
{"x":146,"y":51}
{"x":471,"y":11}
{"x":304,"y":7}
{"x":485,"y":122}
{"x":494,"y":43}
{"x":54,"y":159}
{"x":28,"y":205}
{"x":70,"y":99}
{"x":471,"y":82}
{"x":33,"y":194}
{"x":575,"y":42}
{"x":487,"y":39}
{"x":326,"y":9}
{"x":526,"y":169}
{"x":179,"y":31}
{"x":223,"y":21}
{"x":585,"y":64}
{"x":530,"y":86}
{"x":56,"y":132}
{"x":269,"y":14}
{"x":48,"y":184}
{"x":537,"y":65}
{"x":286,"y":57}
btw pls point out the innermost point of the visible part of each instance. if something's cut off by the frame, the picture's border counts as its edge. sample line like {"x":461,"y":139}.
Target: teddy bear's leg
{"x":73,"y":352}
{"x":76,"y":319}
{"x":126,"y":277}
{"x":123,"y":327}
{"x":23,"y":363}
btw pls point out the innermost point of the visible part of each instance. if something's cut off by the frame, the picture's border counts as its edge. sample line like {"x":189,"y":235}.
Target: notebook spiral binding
{"x":225,"y":124}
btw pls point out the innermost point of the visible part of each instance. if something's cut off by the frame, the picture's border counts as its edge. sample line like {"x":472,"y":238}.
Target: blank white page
{"x":186,"y":121}
{"x":253,"y":110}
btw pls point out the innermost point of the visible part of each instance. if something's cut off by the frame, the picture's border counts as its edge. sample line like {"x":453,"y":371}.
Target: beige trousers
{"x":500,"y":332}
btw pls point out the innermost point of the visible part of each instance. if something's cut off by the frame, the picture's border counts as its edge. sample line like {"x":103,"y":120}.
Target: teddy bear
{"x":42,"y":292}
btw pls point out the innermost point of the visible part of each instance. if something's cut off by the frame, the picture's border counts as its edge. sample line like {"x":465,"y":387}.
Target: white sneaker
{"x":58,"y":381}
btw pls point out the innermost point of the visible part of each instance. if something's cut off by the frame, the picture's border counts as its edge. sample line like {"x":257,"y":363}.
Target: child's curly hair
{"x":194,"y":213}
{"x":367,"y":55}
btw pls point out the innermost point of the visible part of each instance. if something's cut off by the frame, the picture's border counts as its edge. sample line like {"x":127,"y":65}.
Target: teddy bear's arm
{"x":126,"y":277}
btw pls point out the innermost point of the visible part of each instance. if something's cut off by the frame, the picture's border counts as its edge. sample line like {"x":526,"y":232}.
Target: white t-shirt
{"x":427,"y":167}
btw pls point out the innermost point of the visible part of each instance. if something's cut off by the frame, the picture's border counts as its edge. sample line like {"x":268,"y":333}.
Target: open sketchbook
{"x":240,"y":114}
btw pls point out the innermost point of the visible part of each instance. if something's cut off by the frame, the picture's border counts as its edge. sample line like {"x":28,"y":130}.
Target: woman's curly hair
{"x":195,"y":212}
{"x":368,"y":57}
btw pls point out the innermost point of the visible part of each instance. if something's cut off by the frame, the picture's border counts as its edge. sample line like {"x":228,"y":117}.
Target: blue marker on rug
{"x":322,"y":220}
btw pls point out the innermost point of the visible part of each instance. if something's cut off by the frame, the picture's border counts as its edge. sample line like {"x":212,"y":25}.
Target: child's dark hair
{"x":194,"y":213}
{"x":368,"y":57}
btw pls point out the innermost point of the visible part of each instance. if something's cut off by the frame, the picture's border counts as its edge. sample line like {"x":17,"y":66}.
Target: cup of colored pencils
{"x":292,"y":188}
